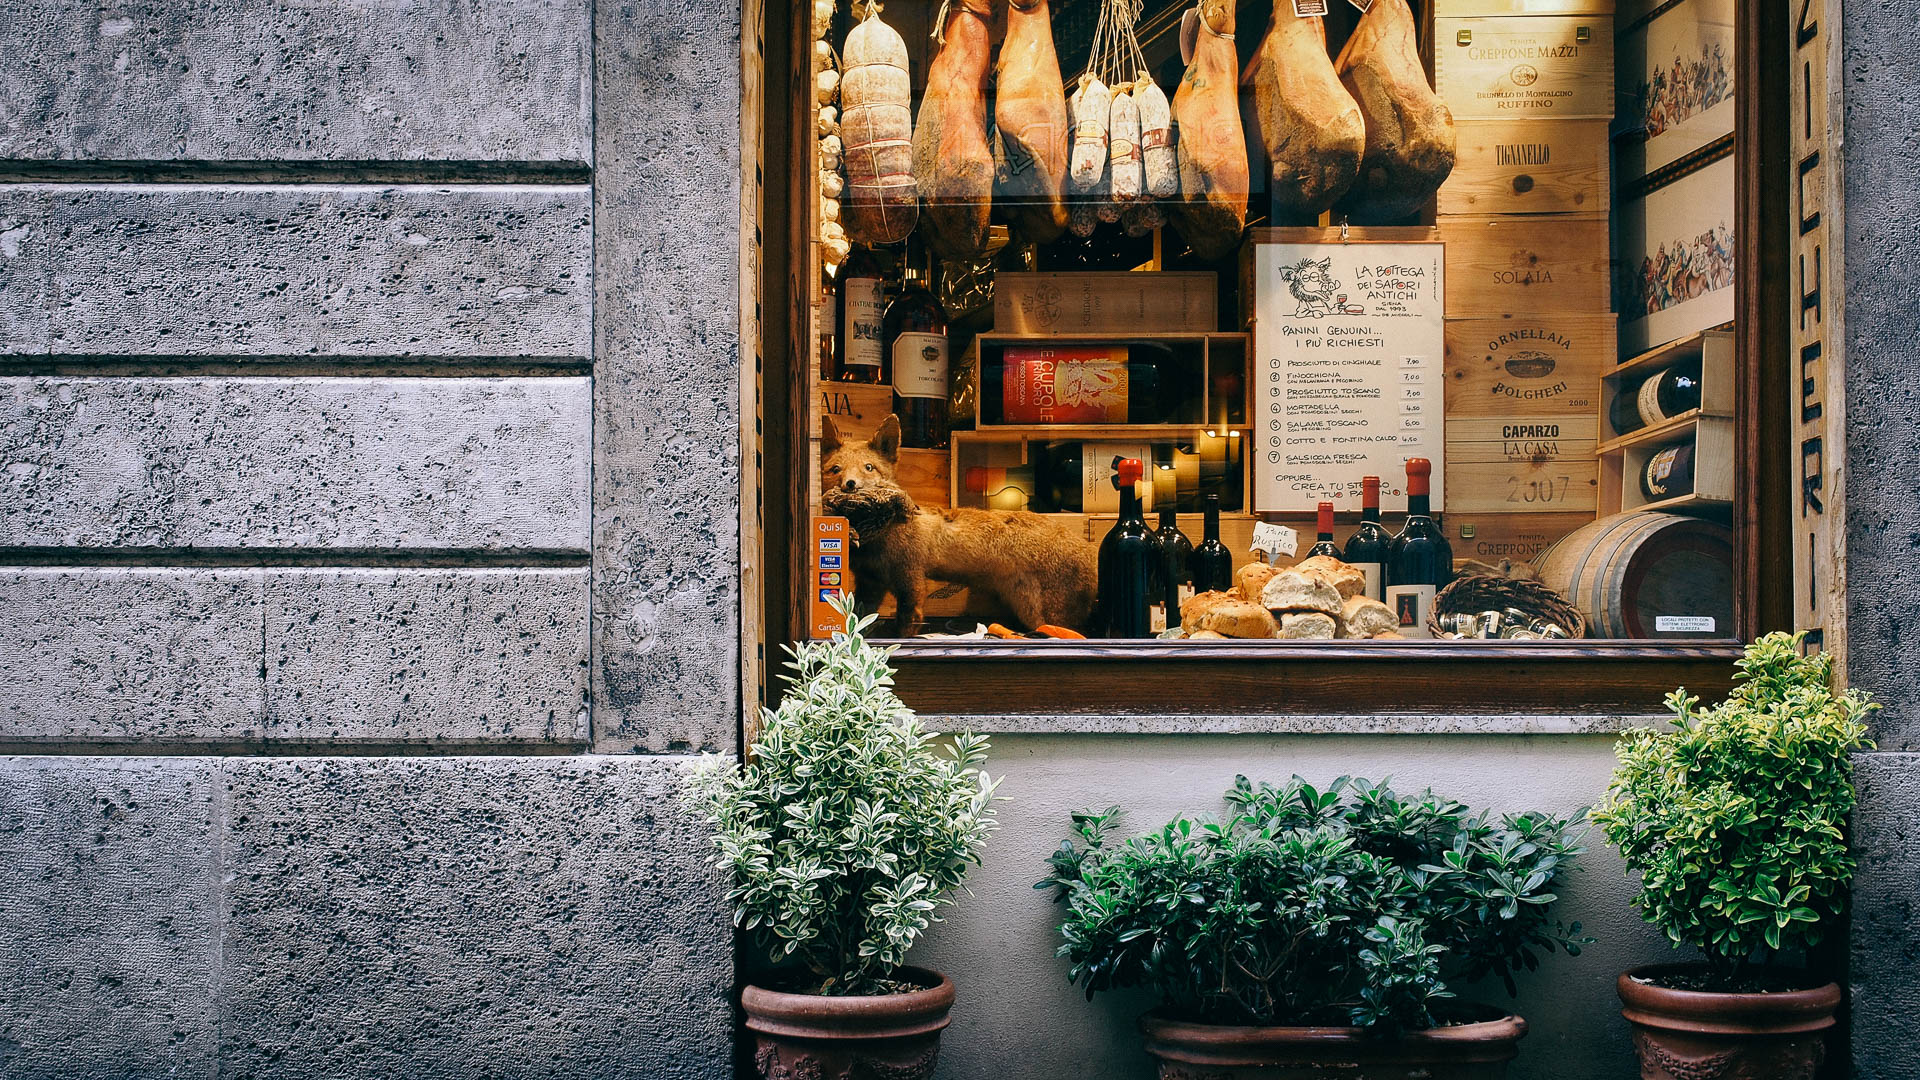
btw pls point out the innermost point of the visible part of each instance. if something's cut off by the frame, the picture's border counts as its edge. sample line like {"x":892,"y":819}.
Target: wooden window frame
{"x":985,"y":678}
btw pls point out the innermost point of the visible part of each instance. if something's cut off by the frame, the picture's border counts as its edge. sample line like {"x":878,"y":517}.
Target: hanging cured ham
{"x":1030,"y":114}
{"x":1212,"y":149}
{"x":1410,"y":134}
{"x":951,"y":157}
{"x":876,"y":130}
{"x":1309,"y":123}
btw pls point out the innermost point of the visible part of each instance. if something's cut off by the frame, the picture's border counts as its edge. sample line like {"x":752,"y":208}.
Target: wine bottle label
{"x":1097,"y":493}
{"x":1046,"y":385}
{"x":920,"y":365}
{"x":1410,"y":605}
{"x":866,"y":307}
{"x":1650,"y":413}
{"x":1659,"y":469}
{"x":1373,"y":572}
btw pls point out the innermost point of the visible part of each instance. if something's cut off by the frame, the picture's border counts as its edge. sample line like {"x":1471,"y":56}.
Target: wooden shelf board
{"x":1151,"y":432}
{"x":1657,"y":433}
{"x":1691,"y":345}
{"x":1680,"y":502}
{"x":1116,"y":337}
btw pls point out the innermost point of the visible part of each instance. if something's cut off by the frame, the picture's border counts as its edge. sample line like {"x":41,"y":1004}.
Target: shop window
{"x":1099,"y":305}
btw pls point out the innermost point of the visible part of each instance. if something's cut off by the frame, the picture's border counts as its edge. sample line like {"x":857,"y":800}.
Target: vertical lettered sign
{"x":1818,"y":397}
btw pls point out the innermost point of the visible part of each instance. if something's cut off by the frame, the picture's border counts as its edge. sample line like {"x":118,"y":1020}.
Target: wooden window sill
{"x":1355,"y":679}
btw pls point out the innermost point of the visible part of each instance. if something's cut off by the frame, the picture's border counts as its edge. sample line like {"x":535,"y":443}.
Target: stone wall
{"x":369,"y":449}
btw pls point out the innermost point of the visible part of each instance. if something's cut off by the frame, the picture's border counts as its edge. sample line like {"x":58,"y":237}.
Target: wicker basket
{"x":1471,"y":592}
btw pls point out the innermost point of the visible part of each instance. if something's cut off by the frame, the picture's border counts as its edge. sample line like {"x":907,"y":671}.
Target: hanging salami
{"x":882,"y":199}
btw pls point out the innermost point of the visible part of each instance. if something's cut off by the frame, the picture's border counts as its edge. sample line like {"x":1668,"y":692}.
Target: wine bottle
{"x":997,"y":488}
{"x":1126,"y":562}
{"x":1367,"y":547}
{"x":916,"y":332}
{"x":1669,"y":473}
{"x":859,"y":356}
{"x":1624,"y":411}
{"x":1172,"y":550}
{"x":1419,"y":561}
{"x":1323,"y":542}
{"x":1081,"y":384}
{"x":1211,"y":564}
{"x":1077,"y":477}
{"x":1670,"y":393}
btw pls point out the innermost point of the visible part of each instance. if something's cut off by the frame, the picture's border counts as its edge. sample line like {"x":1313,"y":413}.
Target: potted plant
{"x":1313,"y":933}
{"x":1735,"y":818}
{"x":843,"y":835}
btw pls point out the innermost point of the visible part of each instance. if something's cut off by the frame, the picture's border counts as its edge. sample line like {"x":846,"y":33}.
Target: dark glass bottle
{"x":997,"y":488}
{"x":916,"y":332}
{"x":1323,"y":539}
{"x":1211,"y":564}
{"x":1126,"y":563}
{"x":1367,"y":547}
{"x":1669,"y":473}
{"x":1624,"y":411}
{"x":1172,"y":550}
{"x":1085,"y":384}
{"x":1670,"y":393}
{"x":1419,"y":561}
{"x":860,"y":307}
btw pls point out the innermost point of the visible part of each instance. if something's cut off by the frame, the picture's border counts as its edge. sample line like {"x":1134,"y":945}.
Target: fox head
{"x":851,"y":467}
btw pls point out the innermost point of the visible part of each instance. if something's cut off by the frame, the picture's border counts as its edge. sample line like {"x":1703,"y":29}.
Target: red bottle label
{"x":1045,"y":385}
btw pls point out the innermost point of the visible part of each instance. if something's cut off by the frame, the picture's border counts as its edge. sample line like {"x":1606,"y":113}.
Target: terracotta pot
{"x":1477,"y":1051}
{"x":883,"y":1037}
{"x":1698,"y":1035}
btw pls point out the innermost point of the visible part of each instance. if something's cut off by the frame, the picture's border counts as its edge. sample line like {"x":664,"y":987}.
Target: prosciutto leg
{"x":951,"y":158}
{"x":1410,"y":134}
{"x":1030,"y":114}
{"x":1212,"y":208}
{"x":1309,"y":124}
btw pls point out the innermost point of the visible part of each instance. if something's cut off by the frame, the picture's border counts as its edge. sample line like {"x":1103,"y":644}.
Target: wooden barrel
{"x":1646,"y":575}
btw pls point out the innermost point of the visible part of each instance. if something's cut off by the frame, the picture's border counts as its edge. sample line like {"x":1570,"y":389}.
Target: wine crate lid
{"x":1501,"y":264}
{"x":1536,"y":167}
{"x":1525,"y":67}
{"x":1536,"y":364}
{"x":1464,"y":9}
{"x":1106,"y":302}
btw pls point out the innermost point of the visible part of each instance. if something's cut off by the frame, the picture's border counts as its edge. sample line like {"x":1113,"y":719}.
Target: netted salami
{"x":1091,"y":105}
{"x":1123,"y":149}
{"x":876,"y":130}
{"x":1157,"y":156}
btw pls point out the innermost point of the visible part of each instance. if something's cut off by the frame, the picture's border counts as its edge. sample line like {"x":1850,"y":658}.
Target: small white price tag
{"x":1305,"y":8}
{"x":1274,"y":539}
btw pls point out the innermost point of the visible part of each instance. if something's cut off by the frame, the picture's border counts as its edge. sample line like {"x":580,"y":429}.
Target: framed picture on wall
{"x":1676,"y":246}
{"x":1675,"y":85}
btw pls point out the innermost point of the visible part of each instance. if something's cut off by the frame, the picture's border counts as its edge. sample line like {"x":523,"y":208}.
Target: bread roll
{"x":1252,"y":579}
{"x":1347,"y":580}
{"x":1228,"y":615}
{"x":1290,"y":590}
{"x":1363,"y":617}
{"x":1307,"y":624}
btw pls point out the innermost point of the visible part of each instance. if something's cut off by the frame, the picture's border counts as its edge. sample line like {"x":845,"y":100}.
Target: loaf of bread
{"x":1290,"y":590}
{"x":1251,"y":580}
{"x":1307,"y":624}
{"x":1363,"y":617}
{"x":1348,"y":580}
{"x":1228,"y":615}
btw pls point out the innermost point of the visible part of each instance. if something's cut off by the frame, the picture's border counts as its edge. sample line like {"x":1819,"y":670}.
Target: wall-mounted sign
{"x":1348,"y":343}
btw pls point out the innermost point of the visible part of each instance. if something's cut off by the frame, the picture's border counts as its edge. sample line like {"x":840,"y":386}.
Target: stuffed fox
{"x":1041,"y":570}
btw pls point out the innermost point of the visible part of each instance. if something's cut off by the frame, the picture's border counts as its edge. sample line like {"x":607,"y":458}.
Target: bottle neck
{"x":1167,"y":519}
{"x":1419,"y":505}
{"x":1130,"y":504}
{"x":1370,"y":513}
{"x":1212,"y":533}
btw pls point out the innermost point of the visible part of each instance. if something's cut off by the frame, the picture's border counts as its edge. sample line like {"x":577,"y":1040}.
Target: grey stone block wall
{"x":344,"y":405}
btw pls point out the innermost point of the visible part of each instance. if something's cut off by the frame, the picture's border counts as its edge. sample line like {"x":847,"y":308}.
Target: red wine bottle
{"x":1367,"y":547}
{"x":1419,"y":561}
{"x":1079,"y":384}
{"x":1211,"y":565}
{"x":1669,"y":473}
{"x":1323,"y":542}
{"x":1670,"y":393}
{"x":1171,"y":550}
{"x":1126,"y":563}
{"x":916,"y":331}
{"x":860,"y":303}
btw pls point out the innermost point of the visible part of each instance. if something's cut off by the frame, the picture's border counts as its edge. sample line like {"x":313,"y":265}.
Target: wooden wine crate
{"x":1489,"y":538}
{"x":1570,"y":485}
{"x":1713,"y":479}
{"x":1458,"y":9}
{"x":856,"y":408}
{"x":1497,"y":265}
{"x":1538,"y":167}
{"x":1527,"y":365}
{"x":1106,"y":302}
{"x":1534,"y":67}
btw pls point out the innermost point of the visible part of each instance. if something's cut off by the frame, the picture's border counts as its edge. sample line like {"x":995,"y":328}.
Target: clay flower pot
{"x":1700,"y":1035}
{"x":882,"y":1037}
{"x":1476,"y":1051}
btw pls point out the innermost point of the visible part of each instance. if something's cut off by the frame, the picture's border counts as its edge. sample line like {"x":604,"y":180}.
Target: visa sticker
{"x":830,"y":545}
{"x":829,"y":562}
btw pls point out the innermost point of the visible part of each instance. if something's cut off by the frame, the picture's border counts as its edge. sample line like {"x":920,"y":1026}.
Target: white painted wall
{"x":1016,"y":1017}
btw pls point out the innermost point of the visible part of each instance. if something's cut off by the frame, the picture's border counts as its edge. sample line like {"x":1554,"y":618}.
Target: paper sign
{"x":1274,"y":539}
{"x":1349,"y":341}
{"x":830,"y":543}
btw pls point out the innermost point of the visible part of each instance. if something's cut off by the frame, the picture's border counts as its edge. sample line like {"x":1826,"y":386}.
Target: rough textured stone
{"x":295,"y":463}
{"x":114,"y":654}
{"x":109,"y":886}
{"x":312,"y":271}
{"x":427,"y":655}
{"x":666,"y":365}
{"x":247,"y":80}
{"x":471,"y":917}
{"x":1886,"y":917}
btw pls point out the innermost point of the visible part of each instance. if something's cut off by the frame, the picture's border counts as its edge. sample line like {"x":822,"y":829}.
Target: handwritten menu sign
{"x":1349,"y":342}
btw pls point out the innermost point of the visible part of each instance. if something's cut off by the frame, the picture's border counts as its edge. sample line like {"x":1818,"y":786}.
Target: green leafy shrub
{"x":849,"y":827}
{"x":1345,"y":906}
{"x":1735,"y":816}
